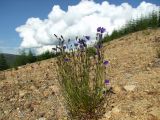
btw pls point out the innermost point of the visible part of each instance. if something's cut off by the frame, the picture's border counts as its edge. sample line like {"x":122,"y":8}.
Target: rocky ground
{"x":32,"y":93}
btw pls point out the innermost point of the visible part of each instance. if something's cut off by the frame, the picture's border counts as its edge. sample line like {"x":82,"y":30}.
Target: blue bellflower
{"x":64,"y":47}
{"x":101,"y":29}
{"x":106,"y":82}
{"x":87,"y":37}
{"x":105,"y":62}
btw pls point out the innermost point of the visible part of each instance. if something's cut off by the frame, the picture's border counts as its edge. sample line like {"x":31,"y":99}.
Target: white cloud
{"x":81,"y":19}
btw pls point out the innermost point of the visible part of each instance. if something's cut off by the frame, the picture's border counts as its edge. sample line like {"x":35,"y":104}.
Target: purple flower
{"x":66,"y":60}
{"x":87,"y":37}
{"x":107,"y":82}
{"x":81,"y":41}
{"x":101,"y":29}
{"x":64,"y":47}
{"x":105,"y":62}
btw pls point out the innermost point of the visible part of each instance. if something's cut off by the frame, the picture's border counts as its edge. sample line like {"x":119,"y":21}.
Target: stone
{"x":107,"y":115}
{"x":22,"y":93}
{"x":46,"y":93}
{"x":32,"y":87}
{"x":6,"y":112}
{"x":148,"y":68}
{"x":129,"y":87}
{"x":115,"y":110}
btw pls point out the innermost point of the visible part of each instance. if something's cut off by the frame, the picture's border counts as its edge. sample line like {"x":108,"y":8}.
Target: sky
{"x":31,"y":23}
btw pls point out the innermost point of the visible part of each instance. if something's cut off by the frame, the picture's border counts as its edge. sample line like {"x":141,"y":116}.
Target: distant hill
{"x":10,"y":58}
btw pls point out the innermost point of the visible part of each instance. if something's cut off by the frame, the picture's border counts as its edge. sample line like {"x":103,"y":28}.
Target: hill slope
{"x":31,"y":92}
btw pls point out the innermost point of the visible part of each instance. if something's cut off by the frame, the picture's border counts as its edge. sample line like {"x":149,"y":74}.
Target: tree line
{"x":151,"y":20}
{"x":24,"y":58}
{"x":3,"y":63}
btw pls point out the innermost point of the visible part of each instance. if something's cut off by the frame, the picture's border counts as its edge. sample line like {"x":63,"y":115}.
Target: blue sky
{"x":14,"y":13}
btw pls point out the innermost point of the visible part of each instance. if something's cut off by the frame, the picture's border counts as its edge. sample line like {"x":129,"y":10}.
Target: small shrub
{"x":91,"y":51}
{"x":82,"y":77}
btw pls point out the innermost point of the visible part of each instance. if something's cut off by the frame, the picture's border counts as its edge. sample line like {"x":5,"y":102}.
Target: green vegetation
{"x":31,"y":57}
{"x":91,"y":51}
{"x":82,"y":79}
{"x":22,"y":59}
{"x":25,"y":58}
{"x":3,"y":63}
{"x":144,"y":22}
{"x":46,"y":55}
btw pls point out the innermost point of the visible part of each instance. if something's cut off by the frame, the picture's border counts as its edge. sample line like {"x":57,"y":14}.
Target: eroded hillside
{"x":31,"y":92}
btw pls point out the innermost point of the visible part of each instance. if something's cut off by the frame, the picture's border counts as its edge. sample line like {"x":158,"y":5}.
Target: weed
{"x":82,"y":77}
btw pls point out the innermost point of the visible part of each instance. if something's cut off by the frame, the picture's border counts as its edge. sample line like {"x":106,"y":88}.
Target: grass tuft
{"x":82,"y":78}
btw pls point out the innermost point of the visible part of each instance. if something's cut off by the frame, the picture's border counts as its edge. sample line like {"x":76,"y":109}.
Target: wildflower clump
{"x":82,"y":76}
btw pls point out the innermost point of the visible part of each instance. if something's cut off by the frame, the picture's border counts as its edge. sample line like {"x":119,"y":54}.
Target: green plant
{"x":82,"y":78}
{"x":91,"y":51}
{"x":30,"y":57}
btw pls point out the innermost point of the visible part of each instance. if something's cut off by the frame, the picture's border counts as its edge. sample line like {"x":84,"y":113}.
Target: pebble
{"x":129,"y":87}
{"x":115,"y":110}
{"x":107,"y":115}
{"x":22,"y":93}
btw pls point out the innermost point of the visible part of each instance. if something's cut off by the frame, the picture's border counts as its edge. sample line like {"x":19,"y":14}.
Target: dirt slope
{"x":31,"y":92}
{"x":134,"y":72}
